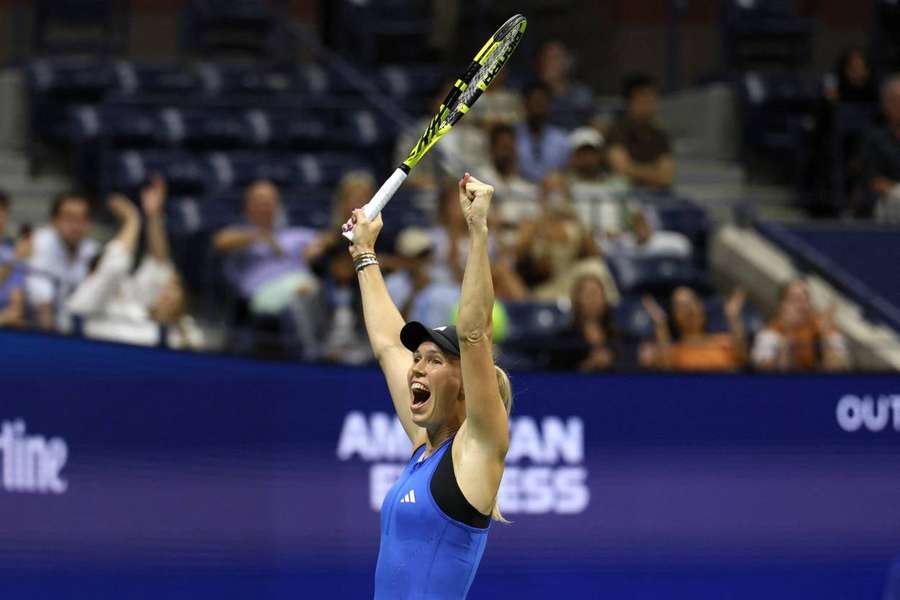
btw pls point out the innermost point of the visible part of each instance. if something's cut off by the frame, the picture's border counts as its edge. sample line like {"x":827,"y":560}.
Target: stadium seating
{"x":853,"y":259}
{"x":764,"y":33}
{"x":777,"y":109}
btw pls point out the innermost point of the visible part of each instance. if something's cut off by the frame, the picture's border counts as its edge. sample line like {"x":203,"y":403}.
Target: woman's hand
{"x":153,"y":197}
{"x":475,"y":200}
{"x":122,"y":208}
{"x":365,"y":232}
{"x":654,"y":311}
{"x":735,"y":305}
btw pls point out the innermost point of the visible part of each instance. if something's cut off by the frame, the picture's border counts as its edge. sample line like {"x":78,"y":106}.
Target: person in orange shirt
{"x":695,"y":348}
{"x":799,"y":338}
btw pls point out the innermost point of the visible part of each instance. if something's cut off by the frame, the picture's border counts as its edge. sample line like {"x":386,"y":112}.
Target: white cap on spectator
{"x":585,"y":136}
{"x":412,"y":242}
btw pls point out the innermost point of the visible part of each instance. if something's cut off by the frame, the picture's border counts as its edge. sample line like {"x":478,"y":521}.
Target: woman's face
{"x":796,"y":307}
{"x":435,"y":385}
{"x":169,"y":306}
{"x":589,"y":299}
{"x":687,"y":311}
{"x":857,"y":70}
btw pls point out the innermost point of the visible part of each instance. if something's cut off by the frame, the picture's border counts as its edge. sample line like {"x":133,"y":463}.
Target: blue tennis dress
{"x":424,"y":553}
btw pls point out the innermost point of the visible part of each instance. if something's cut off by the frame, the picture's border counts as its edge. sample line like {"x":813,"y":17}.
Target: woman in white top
{"x":146,"y":307}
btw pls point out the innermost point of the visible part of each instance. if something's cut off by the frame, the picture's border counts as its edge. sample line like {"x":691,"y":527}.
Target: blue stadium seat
{"x":234,"y":170}
{"x":78,"y":79}
{"x":296,"y":128}
{"x":401,"y":81}
{"x":128,"y":171}
{"x":534,"y":319}
{"x":657,"y":276}
{"x":764,"y":32}
{"x":777,"y":114}
{"x":373,"y":31}
{"x":229,"y":27}
{"x":202,"y":128}
{"x":220,"y":79}
{"x":79,"y":27}
{"x":631,"y":319}
{"x":124,"y":126}
{"x":134,"y":79}
{"x":364,"y":127}
{"x":327,"y":168}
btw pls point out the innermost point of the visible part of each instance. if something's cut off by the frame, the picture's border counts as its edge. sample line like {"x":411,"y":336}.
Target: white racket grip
{"x":381,"y":197}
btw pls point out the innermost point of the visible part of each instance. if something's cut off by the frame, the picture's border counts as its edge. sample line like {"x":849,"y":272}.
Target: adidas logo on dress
{"x":410,"y":497}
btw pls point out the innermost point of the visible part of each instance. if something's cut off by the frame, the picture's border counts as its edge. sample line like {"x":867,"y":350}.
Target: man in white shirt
{"x":148,"y":306}
{"x":517,"y":199}
{"x":644,"y":241}
{"x":60,"y":259}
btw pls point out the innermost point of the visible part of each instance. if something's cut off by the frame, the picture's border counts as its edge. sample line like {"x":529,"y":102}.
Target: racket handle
{"x":381,"y":197}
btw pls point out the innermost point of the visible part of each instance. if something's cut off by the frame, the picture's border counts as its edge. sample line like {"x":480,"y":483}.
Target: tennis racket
{"x":468,"y":88}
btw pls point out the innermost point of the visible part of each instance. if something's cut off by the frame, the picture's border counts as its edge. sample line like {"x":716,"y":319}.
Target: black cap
{"x":414,"y":333}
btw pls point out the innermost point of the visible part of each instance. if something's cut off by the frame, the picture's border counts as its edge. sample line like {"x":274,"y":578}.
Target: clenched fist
{"x":475,"y":200}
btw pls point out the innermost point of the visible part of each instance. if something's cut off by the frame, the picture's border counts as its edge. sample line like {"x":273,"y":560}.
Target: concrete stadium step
{"x":46,"y":185}
{"x":12,"y":164}
{"x":693,"y":171}
{"x":14,"y":113}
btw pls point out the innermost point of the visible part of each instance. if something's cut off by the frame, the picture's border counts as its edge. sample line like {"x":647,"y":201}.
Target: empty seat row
{"x":133,"y":126}
{"x":190,"y":173}
{"x":87,"y":79}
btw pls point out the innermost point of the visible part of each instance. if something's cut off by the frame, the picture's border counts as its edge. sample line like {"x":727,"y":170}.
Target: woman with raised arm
{"x":454,"y":404}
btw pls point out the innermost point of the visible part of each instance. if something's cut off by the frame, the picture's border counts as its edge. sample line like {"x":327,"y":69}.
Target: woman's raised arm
{"x":383,"y":320}
{"x":486,"y":418}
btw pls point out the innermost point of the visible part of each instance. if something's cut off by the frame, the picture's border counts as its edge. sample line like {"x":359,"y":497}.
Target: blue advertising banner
{"x":140,"y":473}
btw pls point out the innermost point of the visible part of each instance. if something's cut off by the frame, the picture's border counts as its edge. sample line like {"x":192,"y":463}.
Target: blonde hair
{"x":505,"y":388}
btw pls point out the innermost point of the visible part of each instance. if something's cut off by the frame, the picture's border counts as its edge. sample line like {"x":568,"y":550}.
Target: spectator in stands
{"x":13,"y":255}
{"x":498,"y":104}
{"x":60,"y":259}
{"x":515,"y":198}
{"x":572,"y":103}
{"x":799,"y":338}
{"x":419,"y":287}
{"x":461,"y":149}
{"x":148,"y":307}
{"x":852,"y":80}
{"x":638,"y":148}
{"x":451,"y":249}
{"x":594,"y":190}
{"x":587,"y":163}
{"x":852,"y":89}
{"x":643,"y":240}
{"x":542,"y":147}
{"x":552,"y":250}
{"x":345,"y":340}
{"x":590,"y":342}
{"x":694,"y":349}
{"x":268,"y":266}
{"x":881,"y":160}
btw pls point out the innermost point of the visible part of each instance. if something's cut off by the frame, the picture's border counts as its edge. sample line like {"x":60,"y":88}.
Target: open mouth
{"x":420,"y":394}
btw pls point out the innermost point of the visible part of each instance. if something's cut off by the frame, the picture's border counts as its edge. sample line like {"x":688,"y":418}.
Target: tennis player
{"x":454,"y":404}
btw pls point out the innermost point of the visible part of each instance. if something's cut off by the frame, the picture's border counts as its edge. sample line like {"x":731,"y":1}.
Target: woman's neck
{"x":439,"y":435}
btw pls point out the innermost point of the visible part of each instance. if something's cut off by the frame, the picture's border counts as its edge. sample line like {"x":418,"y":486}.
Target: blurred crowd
{"x":561,"y":173}
{"x":854,"y":166}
